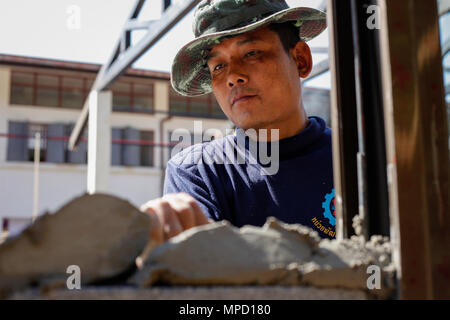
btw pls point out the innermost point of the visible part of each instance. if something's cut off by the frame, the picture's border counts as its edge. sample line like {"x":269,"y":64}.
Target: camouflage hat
{"x":216,"y":19}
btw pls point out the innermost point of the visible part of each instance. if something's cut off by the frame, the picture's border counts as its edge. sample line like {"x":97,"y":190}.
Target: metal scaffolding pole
{"x":343,"y":116}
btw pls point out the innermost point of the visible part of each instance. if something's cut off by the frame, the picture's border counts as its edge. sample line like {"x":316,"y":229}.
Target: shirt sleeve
{"x":187,"y":178}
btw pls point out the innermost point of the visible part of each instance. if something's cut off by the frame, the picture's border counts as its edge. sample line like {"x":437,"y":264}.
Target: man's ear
{"x":303,"y":58}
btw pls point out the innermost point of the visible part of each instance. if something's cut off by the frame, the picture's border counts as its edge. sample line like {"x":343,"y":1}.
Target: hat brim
{"x":189,"y":75}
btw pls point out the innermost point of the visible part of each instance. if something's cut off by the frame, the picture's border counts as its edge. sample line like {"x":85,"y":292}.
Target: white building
{"x":46,"y":96}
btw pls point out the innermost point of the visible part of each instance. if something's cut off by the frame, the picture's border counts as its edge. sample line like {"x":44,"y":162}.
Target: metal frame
{"x":343,"y":116}
{"x":371,"y":157}
{"x":391,"y":90}
{"x":124,"y":54}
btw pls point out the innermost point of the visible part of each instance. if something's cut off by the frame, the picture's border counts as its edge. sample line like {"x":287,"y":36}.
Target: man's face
{"x":256,"y":82}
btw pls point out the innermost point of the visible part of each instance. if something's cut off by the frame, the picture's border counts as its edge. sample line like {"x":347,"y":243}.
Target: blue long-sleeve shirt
{"x":301,"y":190}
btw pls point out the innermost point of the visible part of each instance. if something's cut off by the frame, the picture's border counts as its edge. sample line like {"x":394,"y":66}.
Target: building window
{"x":132,"y":96}
{"x":32,"y":143}
{"x":79,"y":155}
{"x":49,"y":90}
{"x":217,"y":110}
{"x":74,"y":92}
{"x":147,"y":148}
{"x":22,"y":88}
{"x":143,"y":96}
{"x":132,"y":147}
{"x":201,"y":106}
{"x":122,"y":96}
{"x":53,"y":143}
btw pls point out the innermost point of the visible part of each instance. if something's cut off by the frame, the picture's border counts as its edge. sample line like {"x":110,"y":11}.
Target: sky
{"x":87,"y":30}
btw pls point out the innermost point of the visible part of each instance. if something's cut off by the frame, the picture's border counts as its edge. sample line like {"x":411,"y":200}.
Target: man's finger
{"x":200,"y":217}
{"x":183,"y":210}
{"x":156,"y":236}
{"x":168,"y":218}
{"x":156,"y":229}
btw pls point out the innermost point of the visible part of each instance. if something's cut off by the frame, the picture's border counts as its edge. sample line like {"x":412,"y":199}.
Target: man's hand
{"x":172,"y":214}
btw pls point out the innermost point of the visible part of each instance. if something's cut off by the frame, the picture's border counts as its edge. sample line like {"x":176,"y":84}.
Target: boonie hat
{"x":215,"y":20}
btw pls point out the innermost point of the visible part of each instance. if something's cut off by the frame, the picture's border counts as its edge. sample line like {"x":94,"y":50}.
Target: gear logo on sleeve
{"x":328,"y":206}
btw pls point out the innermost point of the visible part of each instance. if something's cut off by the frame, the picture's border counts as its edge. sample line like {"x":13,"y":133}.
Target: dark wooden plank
{"x":417,"y":148}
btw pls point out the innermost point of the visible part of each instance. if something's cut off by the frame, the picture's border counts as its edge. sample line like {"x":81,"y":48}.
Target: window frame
{"x":85,"y":89}
{"x":189,"y":101}
{"x":60,"y":88}
{"x":131,"y":94}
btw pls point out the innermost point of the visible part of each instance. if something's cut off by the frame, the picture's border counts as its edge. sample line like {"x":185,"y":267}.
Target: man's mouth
{"x":241,"y":98}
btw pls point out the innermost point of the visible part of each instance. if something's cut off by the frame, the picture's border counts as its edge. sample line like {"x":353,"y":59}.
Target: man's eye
{"x":252,"y":53}
{"x":219,"y":66}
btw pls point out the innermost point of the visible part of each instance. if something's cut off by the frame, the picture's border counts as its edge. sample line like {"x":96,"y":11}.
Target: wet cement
{"x":276,"y":254}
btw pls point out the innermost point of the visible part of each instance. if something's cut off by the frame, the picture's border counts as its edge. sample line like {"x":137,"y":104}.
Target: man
{"x":251,"y":54}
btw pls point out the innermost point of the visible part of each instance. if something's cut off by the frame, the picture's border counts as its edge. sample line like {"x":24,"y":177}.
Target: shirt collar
{"x":292,"y":146}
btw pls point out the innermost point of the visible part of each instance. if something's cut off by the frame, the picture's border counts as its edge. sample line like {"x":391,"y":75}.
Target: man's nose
{"x":236,"y":76}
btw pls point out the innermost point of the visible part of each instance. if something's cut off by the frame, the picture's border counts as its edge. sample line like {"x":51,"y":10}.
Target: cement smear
{"x":277,"y":253}
{"x":100,"y":234}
